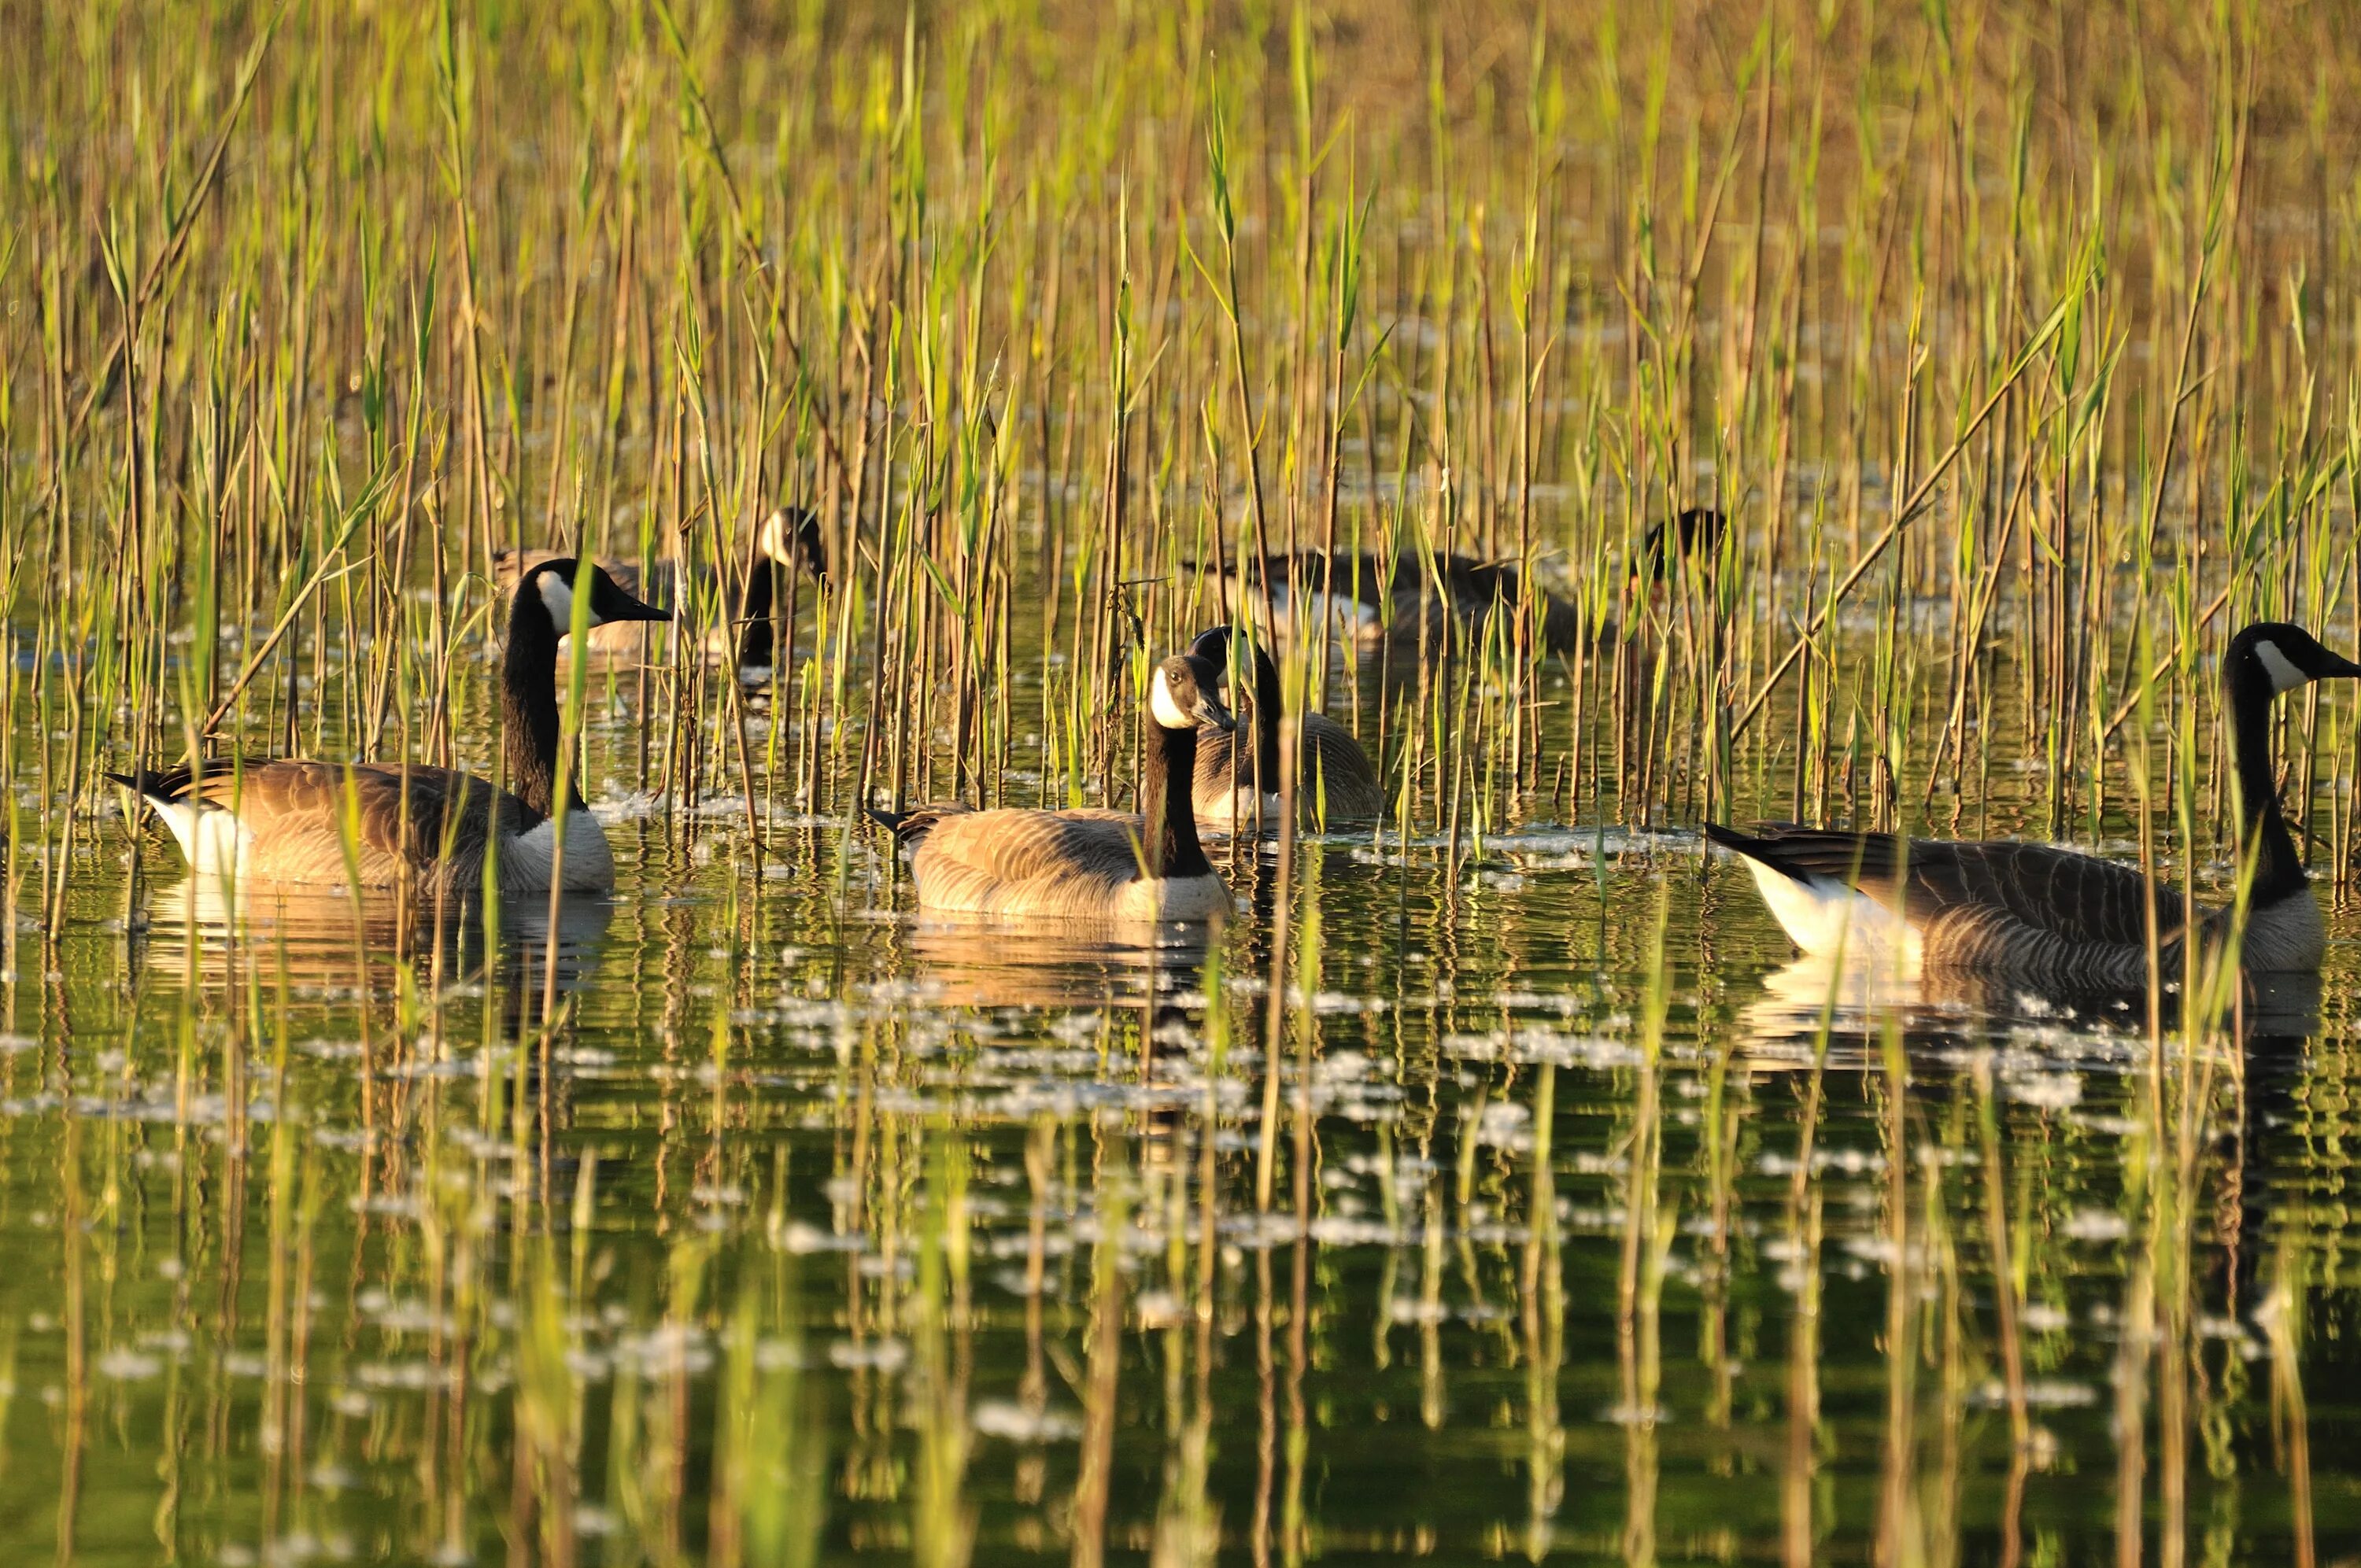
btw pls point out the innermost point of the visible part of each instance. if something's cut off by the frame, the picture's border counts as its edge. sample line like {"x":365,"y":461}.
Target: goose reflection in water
{"x":326,"y":943}
{"x":2251,"y":1066}
{"x":1860,"y":1004}
{"x":980,"y":961}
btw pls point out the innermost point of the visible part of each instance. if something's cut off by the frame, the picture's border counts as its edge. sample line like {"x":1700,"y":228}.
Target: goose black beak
{"x":1211,"y":711}
{"x":2340,"y":668}
{"x":633,"y":610}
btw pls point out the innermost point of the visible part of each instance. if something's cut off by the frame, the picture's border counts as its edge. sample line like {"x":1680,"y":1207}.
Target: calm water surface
{"x":806,"y":1231}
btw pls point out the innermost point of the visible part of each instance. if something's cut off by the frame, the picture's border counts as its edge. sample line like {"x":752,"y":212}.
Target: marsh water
{"x":1569,"y":1220}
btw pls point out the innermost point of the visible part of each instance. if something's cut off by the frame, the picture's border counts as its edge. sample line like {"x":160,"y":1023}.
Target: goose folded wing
{"x":2080,"y":898}
{"x":299,"y":807}
{"x":1339,"y":769}
{"x":1018,"y":846}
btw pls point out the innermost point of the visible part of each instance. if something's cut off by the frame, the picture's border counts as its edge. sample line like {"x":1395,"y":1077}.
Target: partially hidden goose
{"x":1337,"y":785}
{"x":284,"y":821}
{"x":1085,"y":864}
{"x":1363,"y":604}
{"x":786,"y":545}
{"x":2049,"y":914}
{"x":1441,"y":600}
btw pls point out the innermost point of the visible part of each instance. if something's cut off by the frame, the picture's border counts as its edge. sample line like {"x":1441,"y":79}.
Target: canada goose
{"x":1338,"y":783}
{"x":787,"y":543}
{"x":282,"y":821}
{"x":1086,"y":864}
{"x":2048,"y":914}
{"x":1357,"y":600}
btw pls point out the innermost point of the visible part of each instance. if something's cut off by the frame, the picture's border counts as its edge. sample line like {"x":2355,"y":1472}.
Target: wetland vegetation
{"x":1492,"y":1182}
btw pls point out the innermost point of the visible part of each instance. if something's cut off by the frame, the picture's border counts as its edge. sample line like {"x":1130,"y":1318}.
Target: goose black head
{"x":1183,"y":695}
{"x":1213,"y":645}
{"x":2279,"y":656}
{"x":791,"y":537}
{"x":552,"y":585}
{"x":1698,"y":529}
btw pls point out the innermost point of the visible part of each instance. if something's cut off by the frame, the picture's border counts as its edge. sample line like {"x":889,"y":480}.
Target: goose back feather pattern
{"x":2027,"y":908}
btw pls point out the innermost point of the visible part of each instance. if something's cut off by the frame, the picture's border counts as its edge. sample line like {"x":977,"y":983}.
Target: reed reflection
{"x":1986,"y":1095}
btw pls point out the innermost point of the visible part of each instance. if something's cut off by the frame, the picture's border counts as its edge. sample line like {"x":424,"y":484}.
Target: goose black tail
{"x":907,"y":827}
{"x":1731,"y":838}
{"x":151,"y":785}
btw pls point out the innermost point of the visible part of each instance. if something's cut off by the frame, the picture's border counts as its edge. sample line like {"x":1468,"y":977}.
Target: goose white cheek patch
{"x":558,"y":594}
{"x":2284,"y":676}
{"x":557,"y":597}
{"x":1168,"y":712}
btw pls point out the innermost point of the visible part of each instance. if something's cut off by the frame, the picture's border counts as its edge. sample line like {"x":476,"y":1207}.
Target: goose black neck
{"x":1166,"y":781}
{"x":1267,"y":715}
{"x":529,"y":701}
{"x":2263,"y":829}
{"x":755,"y":636}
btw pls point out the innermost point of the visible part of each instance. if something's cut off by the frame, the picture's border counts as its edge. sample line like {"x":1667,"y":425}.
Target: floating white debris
{"x":1013,"y":1423}
{"x":884,"y":1354}
{"x":2049,"y":1091}
{"x":2097,"y":1225}
{"x":125,"y":1365}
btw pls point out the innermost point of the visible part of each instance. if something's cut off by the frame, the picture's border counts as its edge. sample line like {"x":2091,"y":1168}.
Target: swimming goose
{"x":788,"y":543}
{"x":1085,"y":864}
{"x":1353,"y":598}
{"x":283,"y":821}
{"x":1338,"y":785}
{"x":2052,"y":915}
{"x":1357,"y":600}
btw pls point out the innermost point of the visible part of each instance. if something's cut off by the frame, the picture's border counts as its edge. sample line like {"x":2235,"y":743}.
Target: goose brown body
{"x":1336,"y":782}
{"x":2048,"y":914}
{"x":1078,"y":864}
{"x":278,"y":820}
{"x":1084,"y":864}
{"x":298,"y":822}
